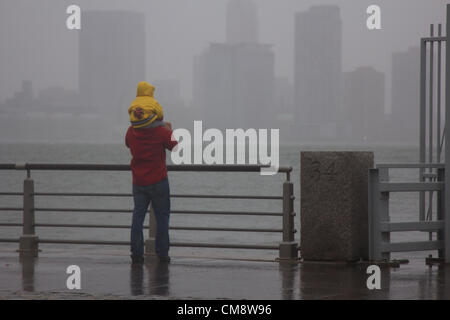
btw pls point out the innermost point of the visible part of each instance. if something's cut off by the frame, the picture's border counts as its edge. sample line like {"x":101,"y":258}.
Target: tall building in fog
{"x":405,"y":95}
{"x":242,"y":22}
{"x":318,"y":69}
{"x":234,"y":81}
{"x":363,"y":104}
{"x":284,"y":96}
{"x":234,"y":84}
{"x":168,"y":94}
{"x":111,"y":60}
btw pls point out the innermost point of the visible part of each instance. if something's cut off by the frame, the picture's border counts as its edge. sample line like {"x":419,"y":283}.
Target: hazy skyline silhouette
{"x":37,"y":46}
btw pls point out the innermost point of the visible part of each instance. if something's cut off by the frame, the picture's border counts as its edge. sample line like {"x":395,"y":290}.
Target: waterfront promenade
{"x":107,"y":274}
{"x":104,"y":259}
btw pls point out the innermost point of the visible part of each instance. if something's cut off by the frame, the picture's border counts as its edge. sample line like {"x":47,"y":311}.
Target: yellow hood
{"x":144,"y":109}
{"x":145,"y":89}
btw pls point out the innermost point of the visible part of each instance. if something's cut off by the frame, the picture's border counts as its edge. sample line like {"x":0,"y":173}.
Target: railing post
{"x":28,"y":242}
{"x":447,"y":141}
{"x":374,"y":221}
{"x":441,"y":207}
{"x":288,"y":249}
{"x":438,"y":97}
{"x":422,"y":124}
{"x":384,"y":212}
{"x":150,"y":242}
{"x":378,"y":212}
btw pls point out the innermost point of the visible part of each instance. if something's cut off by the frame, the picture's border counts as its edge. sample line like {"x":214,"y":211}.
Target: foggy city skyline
{"x":172,"y":35}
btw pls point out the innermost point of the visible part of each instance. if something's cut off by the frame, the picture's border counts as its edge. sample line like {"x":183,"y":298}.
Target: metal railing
{"x":380,"y":227}
{"x":29,"y":240}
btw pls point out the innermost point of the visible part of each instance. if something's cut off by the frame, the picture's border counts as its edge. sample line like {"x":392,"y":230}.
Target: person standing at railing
{"x":148,"y":137}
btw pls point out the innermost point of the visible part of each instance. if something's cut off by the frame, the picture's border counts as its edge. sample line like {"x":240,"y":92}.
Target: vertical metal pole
{"x":150,"y":242}
{"x":441,"y":172}
{"x":28,"y":206}
{"x":374,"y":221}
{"x":430,"y":97}
{"x":28,"y":242}
{"x":288,"y":249}
{"x":152,"y":222}
{"x":384,"y":212}
{"x":447,"y":140}
{"x":422,"y":123}
{"x":440,"y":207}
{"x":288,"y":210}
{"x":430,"y":127}
{"x":438,"y":98}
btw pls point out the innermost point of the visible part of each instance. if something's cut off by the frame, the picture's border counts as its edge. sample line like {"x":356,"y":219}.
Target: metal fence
{"x":434,"y":157}
{"x":432,"y":133}
{"x":380,"y":227}
{"x":30,"y":240}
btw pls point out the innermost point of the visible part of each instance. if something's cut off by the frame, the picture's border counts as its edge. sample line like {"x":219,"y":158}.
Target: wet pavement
{"x":110,"y":276}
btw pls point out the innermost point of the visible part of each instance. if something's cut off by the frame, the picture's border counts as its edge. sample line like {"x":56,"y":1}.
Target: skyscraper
{"x":363,"y":103}
{"x":234,"y":81}
{"x":318,"y":67}
{"x":242,"y":22}
{"x":111,"y":60}
{"x":168,"y":94}
{"x":405,"y":95}
{"x":234,"y":84}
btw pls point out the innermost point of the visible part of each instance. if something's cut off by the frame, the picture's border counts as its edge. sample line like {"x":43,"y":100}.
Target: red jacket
{"x":148,"y":148}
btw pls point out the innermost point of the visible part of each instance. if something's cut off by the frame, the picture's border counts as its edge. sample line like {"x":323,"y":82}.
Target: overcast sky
{"x":36,"y":45}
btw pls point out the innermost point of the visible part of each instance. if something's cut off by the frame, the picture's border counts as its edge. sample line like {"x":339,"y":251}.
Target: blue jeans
{"x":159,"y":195}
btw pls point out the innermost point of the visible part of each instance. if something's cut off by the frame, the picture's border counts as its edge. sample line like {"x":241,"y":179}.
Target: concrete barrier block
{"x":334,"y":205}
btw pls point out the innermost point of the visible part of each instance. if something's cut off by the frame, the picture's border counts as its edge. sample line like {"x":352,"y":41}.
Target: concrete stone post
{"x":334,"y":205}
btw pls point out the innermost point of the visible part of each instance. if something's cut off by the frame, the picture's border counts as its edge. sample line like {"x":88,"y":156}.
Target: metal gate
{"x":434,"y":198}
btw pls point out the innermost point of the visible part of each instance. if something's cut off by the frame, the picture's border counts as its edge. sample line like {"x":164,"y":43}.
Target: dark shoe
{"x":164,"y":259}
{"x":137,"y":260}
